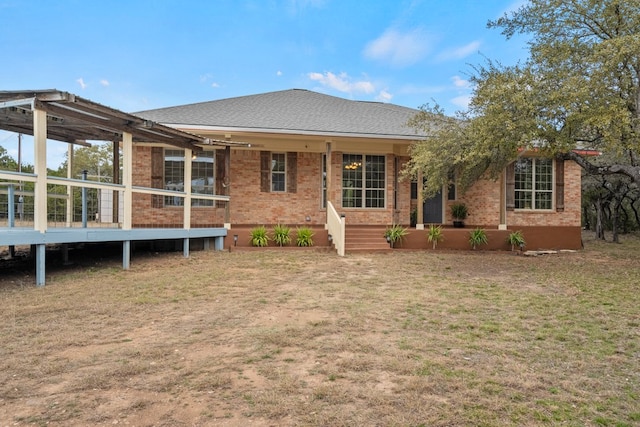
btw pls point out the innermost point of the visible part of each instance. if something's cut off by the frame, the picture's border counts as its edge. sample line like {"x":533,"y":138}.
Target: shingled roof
{"x":292,"y":111}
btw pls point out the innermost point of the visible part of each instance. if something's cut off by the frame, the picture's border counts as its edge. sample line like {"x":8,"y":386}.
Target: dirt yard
{"x":305,"y":338}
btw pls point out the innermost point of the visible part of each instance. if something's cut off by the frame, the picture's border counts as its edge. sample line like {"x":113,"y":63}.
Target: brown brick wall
{"x":146,"y":215}
{"x":483,"y":201}
{"x":571,"y":216}
{"x":251,"y":206}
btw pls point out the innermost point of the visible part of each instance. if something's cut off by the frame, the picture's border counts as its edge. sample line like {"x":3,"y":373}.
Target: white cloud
{"x":460,"y":52}
{"x":384,"y":96}
{"x":462,"y":101}
{"x":342,"y":82}
{"x":81,"y":82}
{"x":278,"y":73}
{"x":214,"y":84}
{"x":461,"y":83}
{"x":513,"y":7}
{"x":104,"y":82}
{"x":399,"y":48}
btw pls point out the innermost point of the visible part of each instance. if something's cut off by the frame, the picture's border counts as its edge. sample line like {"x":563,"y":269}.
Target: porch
{"x":39,"y":209}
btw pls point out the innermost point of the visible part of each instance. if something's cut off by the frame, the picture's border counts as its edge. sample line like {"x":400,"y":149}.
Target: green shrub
{"x":259,"y":236}
{"x":281,"y":235}
{"x":516,"y":239}
{"x":304,"y":236}
{"x":395,"y":233}
{"x":478,"y":237}
{"x":435,"y":235}
{"x":459,"y":211}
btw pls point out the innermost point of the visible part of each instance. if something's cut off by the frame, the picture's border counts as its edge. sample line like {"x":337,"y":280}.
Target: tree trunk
{"x":587,"y":222}
{"x":599,"y":227}
{"x":615,"y":214}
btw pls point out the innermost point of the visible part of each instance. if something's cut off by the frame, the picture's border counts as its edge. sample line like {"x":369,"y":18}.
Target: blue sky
{"x":142,"y":54}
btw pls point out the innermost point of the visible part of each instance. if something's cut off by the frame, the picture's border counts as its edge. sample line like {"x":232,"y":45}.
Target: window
{"x":278,"y":172}
{"x":534,"y":184}
{"x":363,"y":181}
{"x":202,"y":178}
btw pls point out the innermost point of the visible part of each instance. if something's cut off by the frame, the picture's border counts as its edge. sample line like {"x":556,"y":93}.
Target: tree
{"x":6,"y":161}
{"x":97,"y":160}
{"x":579,"y":89}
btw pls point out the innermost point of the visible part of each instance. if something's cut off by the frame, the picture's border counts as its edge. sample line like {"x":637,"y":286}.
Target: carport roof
{"x":73,"y":119}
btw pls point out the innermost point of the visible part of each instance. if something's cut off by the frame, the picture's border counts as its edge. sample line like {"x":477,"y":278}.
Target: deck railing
{"x":86,"y":203}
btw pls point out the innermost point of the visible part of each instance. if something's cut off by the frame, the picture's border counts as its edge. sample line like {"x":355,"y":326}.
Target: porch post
{"x":40,"y":264}
{"x":40,"y":190}
{"x":218,"y":243}
{"x":126,"y":254}
{"x":69,"y":188}
{"x":116,"y":180}
{"x":11,"y":206}
{"x":420,"y":207}
{"x":503,"y":203}
{"x":328,"y":180}
{"x":187,"y":199}
{"x":11,"y":215}
{"x":127,"y":182}
{"x":127,"y":179}
{"x":227,"y":178}
{"x":187,"y":189}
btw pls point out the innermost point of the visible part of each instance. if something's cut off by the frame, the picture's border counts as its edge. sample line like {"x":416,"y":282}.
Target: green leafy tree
{"x":97,"y":160}
{"x":6,"y":161}
{"x":579,"y":89}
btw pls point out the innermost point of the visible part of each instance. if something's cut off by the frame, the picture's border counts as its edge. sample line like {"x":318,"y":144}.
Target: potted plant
{"x":477,"y":237}
{"x":459,"y":213}
{"x":435,"y":235}
{"x":281,"y":235}
{"x":516,"y":239}
{"x":394,"y":234}
{"x":259,"y":236}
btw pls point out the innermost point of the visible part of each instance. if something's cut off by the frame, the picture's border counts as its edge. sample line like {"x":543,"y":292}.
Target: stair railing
{"x":336,"y":228}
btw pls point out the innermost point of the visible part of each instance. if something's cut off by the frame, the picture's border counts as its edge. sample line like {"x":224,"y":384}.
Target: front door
{"x":432,"y":211}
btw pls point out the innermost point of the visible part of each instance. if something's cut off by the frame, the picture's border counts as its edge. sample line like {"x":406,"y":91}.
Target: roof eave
{"x":208,"y":128}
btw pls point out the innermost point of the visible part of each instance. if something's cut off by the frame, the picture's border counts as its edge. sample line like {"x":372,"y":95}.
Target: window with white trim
{"x":534,"y":184}
{"x":363,"y":181}
{"x":278,"y":172}
{"x":202,"y":176}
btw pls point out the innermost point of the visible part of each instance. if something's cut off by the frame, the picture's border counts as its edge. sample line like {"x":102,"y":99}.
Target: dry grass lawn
{"x":295,"y":338}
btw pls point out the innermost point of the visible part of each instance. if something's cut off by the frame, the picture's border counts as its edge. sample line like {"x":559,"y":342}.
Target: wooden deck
{"x":19,"y":236}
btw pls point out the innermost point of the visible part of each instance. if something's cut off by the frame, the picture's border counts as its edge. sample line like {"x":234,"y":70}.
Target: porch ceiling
{"x":76,"y":120}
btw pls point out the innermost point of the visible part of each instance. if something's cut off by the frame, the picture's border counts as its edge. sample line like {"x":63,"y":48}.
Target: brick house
{"x":303,"y":157}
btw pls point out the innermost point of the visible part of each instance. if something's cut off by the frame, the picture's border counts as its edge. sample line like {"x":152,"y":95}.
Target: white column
{"x":40,"y":160}
{"x":127,"y":179}
{"x":187,"y":188}
{"x":69,"y":188}
{"x":328,"y":179}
